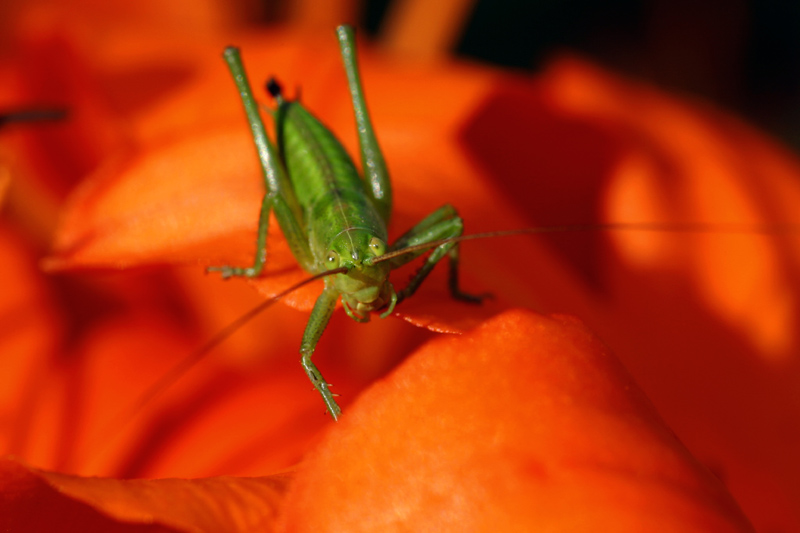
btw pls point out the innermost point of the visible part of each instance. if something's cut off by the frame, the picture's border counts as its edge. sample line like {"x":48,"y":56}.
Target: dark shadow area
{"x":552,"y":166}
{"x":744,"y":55}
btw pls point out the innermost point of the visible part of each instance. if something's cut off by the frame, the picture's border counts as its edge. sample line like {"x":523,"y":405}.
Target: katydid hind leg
{"x":444,"y":223}
{"x":376,"y":175}
{"x":279,"y":197}
{"x":323,"y":309}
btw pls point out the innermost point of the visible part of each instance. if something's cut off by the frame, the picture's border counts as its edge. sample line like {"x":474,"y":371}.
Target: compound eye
{"x":332,"y":260}
{"x":377,"y":246}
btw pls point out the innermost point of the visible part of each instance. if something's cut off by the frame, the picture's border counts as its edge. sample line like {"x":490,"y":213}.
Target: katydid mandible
{"x":333,"y":219}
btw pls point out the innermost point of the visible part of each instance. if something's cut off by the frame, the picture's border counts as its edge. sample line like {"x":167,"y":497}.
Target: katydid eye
{"x":377,"y":246}
{"x":332,"y":260}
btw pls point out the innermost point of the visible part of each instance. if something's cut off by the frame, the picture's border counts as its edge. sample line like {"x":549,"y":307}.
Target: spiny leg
{"x":444,"y":223}
{"x":323,"y":309}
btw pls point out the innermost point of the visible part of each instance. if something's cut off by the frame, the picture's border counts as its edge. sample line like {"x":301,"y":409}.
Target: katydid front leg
{"x":323,"y":309}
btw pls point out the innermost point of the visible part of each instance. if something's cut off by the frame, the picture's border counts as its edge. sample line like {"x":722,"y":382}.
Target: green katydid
{"x":333,"y":219}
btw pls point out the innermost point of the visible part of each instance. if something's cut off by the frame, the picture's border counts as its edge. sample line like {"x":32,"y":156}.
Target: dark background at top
{"x":744,"y":55}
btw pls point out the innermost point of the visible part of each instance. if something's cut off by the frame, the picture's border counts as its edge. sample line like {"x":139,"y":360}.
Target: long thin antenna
{"x":166,"y":380}
{"x":187,"y":363}
{"x":697,"y":227}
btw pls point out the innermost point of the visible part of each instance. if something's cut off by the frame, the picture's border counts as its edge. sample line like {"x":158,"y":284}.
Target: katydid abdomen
{"x":331,"y":194}
{"x":316,"y":161}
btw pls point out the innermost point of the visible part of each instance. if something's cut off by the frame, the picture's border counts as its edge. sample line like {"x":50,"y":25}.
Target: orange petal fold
{"x":35,"y":500}
{"x":528,"y":423}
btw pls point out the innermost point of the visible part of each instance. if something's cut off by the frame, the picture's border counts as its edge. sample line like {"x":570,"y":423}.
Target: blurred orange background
{"x":150,"y":177}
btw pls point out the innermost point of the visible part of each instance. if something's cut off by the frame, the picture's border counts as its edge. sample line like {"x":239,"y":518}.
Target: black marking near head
{"x":274,"y":88}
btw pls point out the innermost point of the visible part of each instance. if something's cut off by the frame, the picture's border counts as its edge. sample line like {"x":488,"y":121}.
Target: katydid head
{"x":365,"y":286}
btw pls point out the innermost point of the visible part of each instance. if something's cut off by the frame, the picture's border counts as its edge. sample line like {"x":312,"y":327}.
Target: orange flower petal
{"x":527,"y":423}
{"x":718,"y":315}
{"x":30,"y":332}
{"x":248,"y":408}
{"x":97,"y":504}
{"x":159,"y":205}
